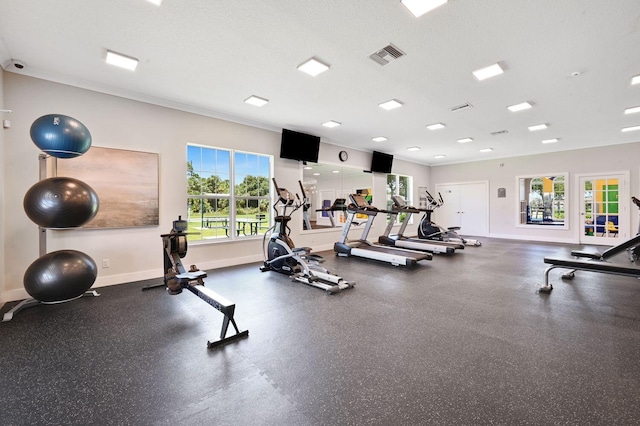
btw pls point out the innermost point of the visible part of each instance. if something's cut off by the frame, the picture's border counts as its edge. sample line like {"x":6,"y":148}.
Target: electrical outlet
{"x":106,"y":263}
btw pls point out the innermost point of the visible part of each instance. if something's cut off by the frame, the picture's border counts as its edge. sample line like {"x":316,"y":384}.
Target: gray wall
{"x":115,"y":122}
{"x":502,"y":173}
{"x":3,"y":159}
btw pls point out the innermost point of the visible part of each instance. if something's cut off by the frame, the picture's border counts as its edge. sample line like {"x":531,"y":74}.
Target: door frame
{"x":624,"y":217}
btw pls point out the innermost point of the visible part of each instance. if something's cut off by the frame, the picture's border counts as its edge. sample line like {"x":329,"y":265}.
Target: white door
{"x":465,"y":205}
{"x":604,"y":209}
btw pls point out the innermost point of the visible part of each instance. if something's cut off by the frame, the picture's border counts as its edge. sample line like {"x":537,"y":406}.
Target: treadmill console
{"x":359,"y":201}
{"x":399,"y":201}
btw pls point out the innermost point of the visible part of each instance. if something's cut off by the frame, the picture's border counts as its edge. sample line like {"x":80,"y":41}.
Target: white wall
{"x":501,"y":173}
{"x":115,"y":122}
{"x":3,"y":159}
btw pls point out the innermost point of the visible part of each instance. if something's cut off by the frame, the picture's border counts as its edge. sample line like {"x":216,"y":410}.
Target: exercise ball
{"x":60,"y":276}
{"x":60,"y":136}
{"x":61,"y":202}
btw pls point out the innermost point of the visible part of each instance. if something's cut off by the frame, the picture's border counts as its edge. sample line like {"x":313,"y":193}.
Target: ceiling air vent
{"x":461,"y":107}
{"x":499,"y":132}
{"x":387,"y":54}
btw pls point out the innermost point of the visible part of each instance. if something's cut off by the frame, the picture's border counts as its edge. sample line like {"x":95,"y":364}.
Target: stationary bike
{"x":429,"y":230}
{"x":281,"y":255}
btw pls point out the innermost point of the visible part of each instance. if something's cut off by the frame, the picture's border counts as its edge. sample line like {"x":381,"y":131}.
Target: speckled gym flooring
{"x":459,"y":340}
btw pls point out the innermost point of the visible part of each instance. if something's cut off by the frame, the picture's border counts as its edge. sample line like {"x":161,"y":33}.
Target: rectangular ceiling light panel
{"x":435,"y":126}
{"x":488,"y":72}
{"x":632,"y":110}
{"x":537,"y":127}
{"x":121,"y":61}
{"x":420,"y":7}
{"x":389,"y":105}
{"x":331,"y":124}
{"x":519,"y":107}
{"x":256,"y":101}
{"x":313,"y":67}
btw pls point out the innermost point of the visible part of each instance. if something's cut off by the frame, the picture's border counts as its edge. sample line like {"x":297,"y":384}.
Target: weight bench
{"x":595,"y":262}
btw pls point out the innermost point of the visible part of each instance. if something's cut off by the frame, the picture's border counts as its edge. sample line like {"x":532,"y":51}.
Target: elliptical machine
{"x":429,"y":230}
{"x":281,"y":255}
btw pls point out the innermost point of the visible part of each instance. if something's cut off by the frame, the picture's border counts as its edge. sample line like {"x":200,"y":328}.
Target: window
{"x":399,"y":185}
{"x":228,"y":193}
{"x":542,"y":200}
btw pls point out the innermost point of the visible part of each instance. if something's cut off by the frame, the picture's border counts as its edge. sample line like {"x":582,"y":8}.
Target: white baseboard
{"x":535,"y":238}
{"x":21,"y":293}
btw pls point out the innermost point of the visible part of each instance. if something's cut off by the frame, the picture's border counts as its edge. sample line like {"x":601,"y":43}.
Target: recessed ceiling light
{"x":486,"y":150}
{"x":331,"y":124}
{"x":439,"y":156}
{"x":308,"y":168}
{"x":313,"y":67}
{"x":121,"y":61}
{"x":435,"y":126}
{"x":465,"y":140}
{"x":630,"y":129}
{"x":519,"y":107}
{"x":632,"y":110}
{"x":635,"y":80}
{"x":553,"y":140}
{"x":256,"y":101}
{"x":420,"y":7}
{"x":488,"y":72}
{"x":413,"y":148}
{"x":389,"y":105}
{"x":379,"y":139}
{"x":156,"y":2}
{"x":335,"y":171}
{"x":316,"y":174}
{"x":537,"y":127}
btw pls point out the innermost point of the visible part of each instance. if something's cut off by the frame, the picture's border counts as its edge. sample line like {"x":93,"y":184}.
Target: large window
{"x":542,"y":200}
{"x":399,"y":185}
{"x":228,"y":193}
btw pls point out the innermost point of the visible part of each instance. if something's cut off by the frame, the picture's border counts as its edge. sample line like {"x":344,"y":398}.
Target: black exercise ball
{"x":61,"y":202}
{"x":60,"y":136}
{"x":60,"y":276}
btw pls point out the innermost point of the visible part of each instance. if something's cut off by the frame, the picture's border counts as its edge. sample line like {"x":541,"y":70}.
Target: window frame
{"x":233,"y":232}
{"x":522,"y":202}
{"x":408,"y":196}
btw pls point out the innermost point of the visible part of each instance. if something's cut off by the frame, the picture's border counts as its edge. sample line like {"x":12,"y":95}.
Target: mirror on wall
{"x":542,"y":200}
{"x":327,"y":188}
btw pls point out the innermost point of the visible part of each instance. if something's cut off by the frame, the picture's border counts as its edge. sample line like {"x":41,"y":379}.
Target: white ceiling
{"x":207,"y":56}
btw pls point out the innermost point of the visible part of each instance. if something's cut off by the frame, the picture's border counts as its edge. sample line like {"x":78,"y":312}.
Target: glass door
{"x":601,"y":207}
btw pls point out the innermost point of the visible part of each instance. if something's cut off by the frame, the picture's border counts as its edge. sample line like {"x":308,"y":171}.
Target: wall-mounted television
{"x":381,"y":162}
{"x":299,"y":146}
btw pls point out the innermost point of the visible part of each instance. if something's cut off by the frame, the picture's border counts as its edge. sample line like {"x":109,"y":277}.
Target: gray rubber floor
{"x":460,"y":340}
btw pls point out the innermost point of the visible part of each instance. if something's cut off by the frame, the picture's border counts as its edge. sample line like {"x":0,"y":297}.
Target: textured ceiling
{"x":207,"y":56}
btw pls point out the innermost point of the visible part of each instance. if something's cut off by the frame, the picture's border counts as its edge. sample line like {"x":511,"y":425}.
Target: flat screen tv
{"x":381,"y":162}
{"x":299,"y":146}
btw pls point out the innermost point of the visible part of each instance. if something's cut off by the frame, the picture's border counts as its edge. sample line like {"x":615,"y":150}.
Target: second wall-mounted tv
{"x":381,"y":162}
{"x":299,"y":146}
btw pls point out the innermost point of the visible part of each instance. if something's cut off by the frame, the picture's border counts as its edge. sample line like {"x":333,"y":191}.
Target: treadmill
{"x":399,"y":240}
{"x":363,"y":248}
{"x":339,"y":205}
